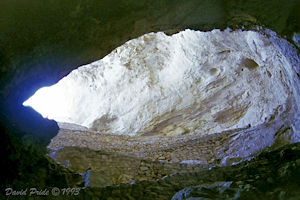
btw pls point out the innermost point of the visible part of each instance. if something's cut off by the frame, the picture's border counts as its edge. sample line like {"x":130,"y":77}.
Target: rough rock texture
{"x":256,"y":103}
{"x":42,"y":41}
{"x":107,"y":168}
{"x":191,"y":82}
{"x":217,"y":190}
{"x":118,"y":159}
{"x":269,"y":175}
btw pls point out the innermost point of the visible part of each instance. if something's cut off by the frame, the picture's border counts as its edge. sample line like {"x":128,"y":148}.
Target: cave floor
{"x":114,"y":159}
{"x":269,"y":175}
{"x":172,"y":149}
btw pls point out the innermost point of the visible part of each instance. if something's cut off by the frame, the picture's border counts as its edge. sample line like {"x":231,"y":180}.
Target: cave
{"x":140,"y":100}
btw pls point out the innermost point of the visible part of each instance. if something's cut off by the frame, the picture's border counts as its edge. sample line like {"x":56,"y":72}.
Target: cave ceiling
{"x":40,"y":42}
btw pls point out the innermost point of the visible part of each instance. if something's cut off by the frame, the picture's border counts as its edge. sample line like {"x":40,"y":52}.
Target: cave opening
{"x":188,"y":84}
{"x":128,"y":114}
{"x":161,"y":151}
{"x":48,"y":101}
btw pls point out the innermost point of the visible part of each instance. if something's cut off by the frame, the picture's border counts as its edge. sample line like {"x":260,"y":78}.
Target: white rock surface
{"x":192,"y":162}
{"x":190,"y":82}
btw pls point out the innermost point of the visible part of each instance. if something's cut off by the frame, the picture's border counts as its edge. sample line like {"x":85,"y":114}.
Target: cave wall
{"x":42,"y":41}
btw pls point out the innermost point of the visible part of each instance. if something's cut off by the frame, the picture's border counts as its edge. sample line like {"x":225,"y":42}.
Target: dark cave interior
{"x":41,"y":42}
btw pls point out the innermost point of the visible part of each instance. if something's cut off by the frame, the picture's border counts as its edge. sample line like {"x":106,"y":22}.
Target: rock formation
{"x":176,"y":104}
{"x":43,"y":41}
{"x":189,"y":83}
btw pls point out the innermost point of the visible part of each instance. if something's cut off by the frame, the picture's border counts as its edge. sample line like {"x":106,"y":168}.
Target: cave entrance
{"x":191,"y":82}
{"x":56,"y":103}
{"x":183,"y":97}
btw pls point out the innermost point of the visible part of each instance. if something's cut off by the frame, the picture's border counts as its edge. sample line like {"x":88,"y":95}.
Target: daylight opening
{"x":50,"y":102}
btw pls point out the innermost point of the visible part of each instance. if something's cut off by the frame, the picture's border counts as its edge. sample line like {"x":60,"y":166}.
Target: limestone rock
{"x":190,"y":82}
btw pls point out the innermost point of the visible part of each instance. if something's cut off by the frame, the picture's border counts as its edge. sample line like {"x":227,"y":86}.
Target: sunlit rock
{"x":296,"y":39}
{"x":189,"y":83}
{"x":213,"y":191}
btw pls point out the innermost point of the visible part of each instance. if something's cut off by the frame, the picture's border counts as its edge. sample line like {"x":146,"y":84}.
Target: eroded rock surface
{"x":43,"y":41}
{"x":212,"y":106}
{"x":189,"y":83}
{"x":270,"y":175}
